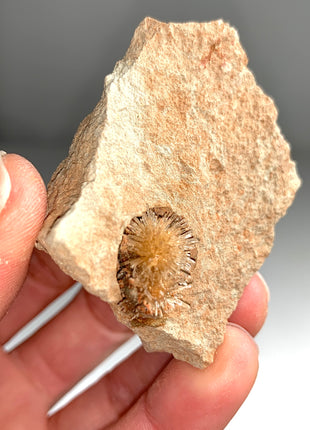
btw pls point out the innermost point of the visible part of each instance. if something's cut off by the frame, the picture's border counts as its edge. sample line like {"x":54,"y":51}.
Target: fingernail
{"x":5,"y":182}
{"x":265,"y":285}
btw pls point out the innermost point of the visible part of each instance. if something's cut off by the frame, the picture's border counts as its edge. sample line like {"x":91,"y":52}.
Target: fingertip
{"x":26,"y":181}
{"x":237,"y":355}
{"x":240,"y":350}
{"x":252,"y":308}
{"x":234,"y":372}
{"x":187,"y":397}
{"x":20,"y":221}
{"x":264,"y":284}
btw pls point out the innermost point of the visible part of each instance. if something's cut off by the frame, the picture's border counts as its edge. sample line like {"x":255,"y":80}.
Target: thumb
{"x":22,"y":210}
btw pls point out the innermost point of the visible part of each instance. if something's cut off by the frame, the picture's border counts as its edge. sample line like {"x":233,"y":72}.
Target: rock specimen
{"x":166,"y":204}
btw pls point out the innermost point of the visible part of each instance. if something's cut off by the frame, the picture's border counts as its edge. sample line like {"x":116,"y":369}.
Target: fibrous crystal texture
{"x":156,"y":258}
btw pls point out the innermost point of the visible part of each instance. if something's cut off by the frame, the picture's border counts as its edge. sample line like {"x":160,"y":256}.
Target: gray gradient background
{"x":53,"y":59}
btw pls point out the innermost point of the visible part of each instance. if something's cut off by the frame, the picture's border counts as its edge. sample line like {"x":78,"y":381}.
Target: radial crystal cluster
{"x":156,"y":257}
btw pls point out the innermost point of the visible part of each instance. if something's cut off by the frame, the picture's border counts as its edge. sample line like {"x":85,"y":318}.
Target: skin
{"x":148,"y":391}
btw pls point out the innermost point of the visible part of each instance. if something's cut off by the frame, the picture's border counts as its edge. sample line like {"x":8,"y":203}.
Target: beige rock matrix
{"x":166,"y":204}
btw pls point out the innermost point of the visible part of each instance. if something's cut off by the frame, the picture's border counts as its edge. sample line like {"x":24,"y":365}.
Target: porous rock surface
{"x":181,"y":124}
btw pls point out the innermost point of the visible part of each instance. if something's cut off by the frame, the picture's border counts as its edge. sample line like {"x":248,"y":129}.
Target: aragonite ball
{"x":156,"y":258}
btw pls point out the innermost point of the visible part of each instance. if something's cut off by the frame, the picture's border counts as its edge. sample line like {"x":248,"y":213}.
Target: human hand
{"x":147,"y":391}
